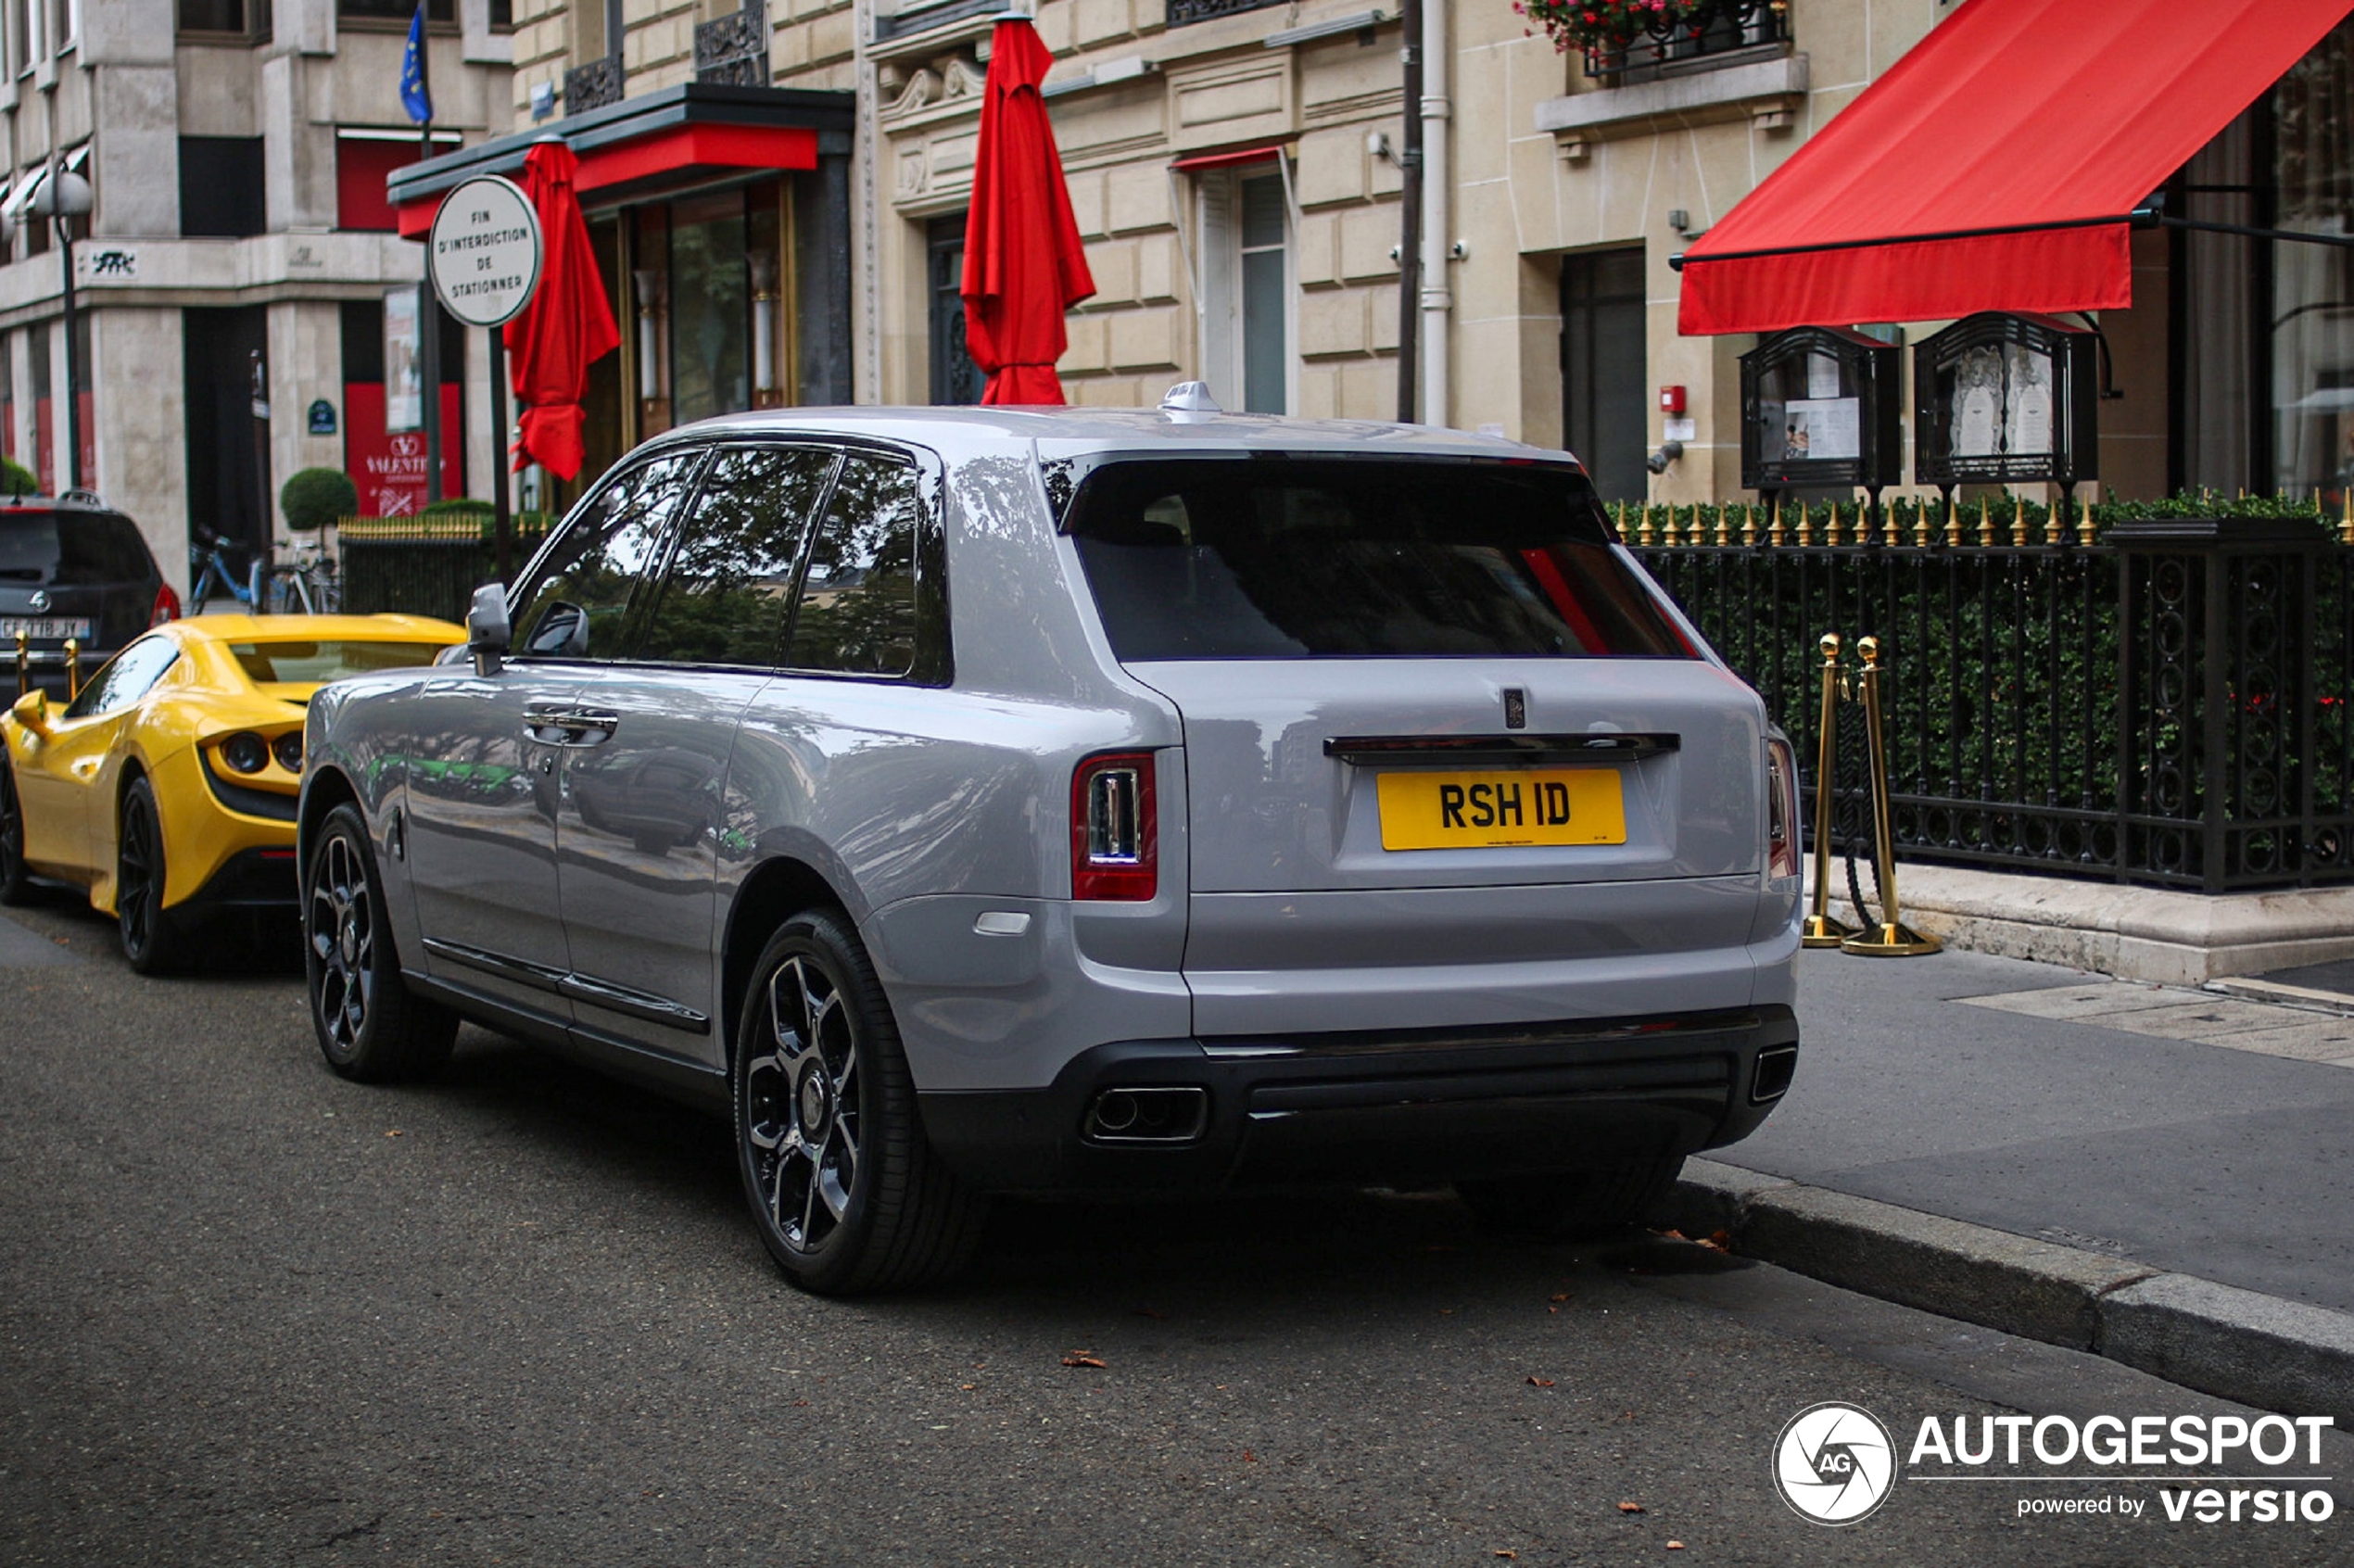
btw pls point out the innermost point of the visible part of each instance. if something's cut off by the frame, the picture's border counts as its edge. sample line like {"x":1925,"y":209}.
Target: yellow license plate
{"x":1549,"y":806}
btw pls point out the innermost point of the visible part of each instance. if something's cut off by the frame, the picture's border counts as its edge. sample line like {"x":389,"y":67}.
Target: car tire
{"x":16,"y":879}
{"x":151,"y":938}
{"x":846,"y":1193}
{"x":372,"y":1029}
{"x":1567,"y":1203}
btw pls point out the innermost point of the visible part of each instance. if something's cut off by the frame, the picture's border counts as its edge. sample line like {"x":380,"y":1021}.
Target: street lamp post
{"x":64,"y":196}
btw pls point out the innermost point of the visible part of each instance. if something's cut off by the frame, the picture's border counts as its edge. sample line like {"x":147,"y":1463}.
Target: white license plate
{"x":43,"y":629}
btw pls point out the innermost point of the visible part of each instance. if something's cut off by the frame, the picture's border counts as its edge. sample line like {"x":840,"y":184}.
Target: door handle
{"x":569,"y":727}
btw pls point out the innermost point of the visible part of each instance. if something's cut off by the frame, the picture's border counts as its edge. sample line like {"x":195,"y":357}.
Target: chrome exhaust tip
{"x":1148,"y":1116}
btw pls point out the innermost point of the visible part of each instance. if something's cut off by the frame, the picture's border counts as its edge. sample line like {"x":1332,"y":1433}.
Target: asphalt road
{"x":251,"y":1314}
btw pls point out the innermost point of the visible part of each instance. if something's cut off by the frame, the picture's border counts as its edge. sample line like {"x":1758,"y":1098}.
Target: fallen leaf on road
{"x":1719,"y":1241}
{"x":1672,"y":1235}
{"x":1630,"y":1507}
{"x":967,"y":1387}
{"x":1082,"y":1358}
{"x":394,"y":1134}
{"x":1536,"y":1382}
{"x":1675,"y":1545}
{"x":1447,"y":1311}
{"x":1507,"y":1554}
{"x":1558,"y":1296}
{"x":1249,"y":1458}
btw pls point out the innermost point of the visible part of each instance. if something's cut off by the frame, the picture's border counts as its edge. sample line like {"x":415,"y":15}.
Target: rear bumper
{"x":1398,"y":1108}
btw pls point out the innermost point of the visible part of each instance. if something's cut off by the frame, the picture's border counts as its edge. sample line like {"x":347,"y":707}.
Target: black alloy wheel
{"x":369,"y":1027}
{"x":16,"y":878}
{"x":150,"y":937}
{"x":847,"y":1195}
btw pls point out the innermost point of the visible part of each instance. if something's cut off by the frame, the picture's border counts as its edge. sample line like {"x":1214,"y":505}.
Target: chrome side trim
{"x":537,"y":976}
{"x":635,"y":1004}
{"x":578,"y":987}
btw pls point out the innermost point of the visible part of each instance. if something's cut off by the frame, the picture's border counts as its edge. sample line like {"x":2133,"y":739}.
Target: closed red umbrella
{"x":567,"y":326}
{"x":1023,"y":263}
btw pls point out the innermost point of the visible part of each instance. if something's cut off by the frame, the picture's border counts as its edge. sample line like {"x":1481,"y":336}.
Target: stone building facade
{"x":236,"y":151}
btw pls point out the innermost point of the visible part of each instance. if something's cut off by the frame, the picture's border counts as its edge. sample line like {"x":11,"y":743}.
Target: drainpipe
{"x":1437,"y":297}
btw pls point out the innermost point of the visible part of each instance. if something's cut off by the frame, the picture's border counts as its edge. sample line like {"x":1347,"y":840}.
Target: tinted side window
{"x":723,"y":600}
{"x":857,"y":609}
{"x":593,"y":592}
{"x":126,"y":678}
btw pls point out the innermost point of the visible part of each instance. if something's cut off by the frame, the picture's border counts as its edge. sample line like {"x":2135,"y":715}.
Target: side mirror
{"x":486,"y":630}
{"x":32,"y":711}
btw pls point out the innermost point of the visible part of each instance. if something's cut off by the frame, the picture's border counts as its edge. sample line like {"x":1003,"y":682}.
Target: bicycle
{"x":308,"y":586}
{"x":208,"y":568}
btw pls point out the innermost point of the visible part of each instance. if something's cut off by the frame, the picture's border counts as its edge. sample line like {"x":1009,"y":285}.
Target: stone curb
{"x":2235,"y":1344}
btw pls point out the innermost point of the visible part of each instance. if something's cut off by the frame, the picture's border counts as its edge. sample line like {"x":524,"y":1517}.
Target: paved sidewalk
{"x":2198,"y":1135}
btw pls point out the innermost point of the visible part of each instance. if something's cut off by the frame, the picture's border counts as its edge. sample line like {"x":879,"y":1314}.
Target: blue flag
{"x":413,"y":94}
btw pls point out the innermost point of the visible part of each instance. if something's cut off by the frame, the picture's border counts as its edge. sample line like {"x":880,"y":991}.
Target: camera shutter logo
{"x":1834,"y":1464}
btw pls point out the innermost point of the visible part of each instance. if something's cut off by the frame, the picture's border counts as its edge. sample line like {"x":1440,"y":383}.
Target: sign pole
{"x":500,"y":473}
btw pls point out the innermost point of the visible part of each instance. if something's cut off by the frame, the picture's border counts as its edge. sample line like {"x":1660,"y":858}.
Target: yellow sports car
{"x":167,"y":787}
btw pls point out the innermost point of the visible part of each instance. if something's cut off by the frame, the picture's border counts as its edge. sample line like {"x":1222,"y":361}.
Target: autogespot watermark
{"x":1835,"y":1463}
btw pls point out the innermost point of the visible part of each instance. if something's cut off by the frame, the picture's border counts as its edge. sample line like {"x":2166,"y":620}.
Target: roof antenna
{"x":1189,"y":403}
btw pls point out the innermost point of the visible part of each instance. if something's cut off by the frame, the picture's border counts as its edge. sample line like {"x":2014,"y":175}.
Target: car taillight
{"x":1114,"y":836}
{"x":1781,"y":809}
{"x":166,"y":607}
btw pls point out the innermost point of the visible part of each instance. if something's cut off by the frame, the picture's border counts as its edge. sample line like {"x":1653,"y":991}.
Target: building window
{"x":955,"y":378}
{"x":1247,"y":293}
{"x":363,"y":160}
{"x":395,"y":10}
{"x":220,"y":186}
{"x":1605,"y":417}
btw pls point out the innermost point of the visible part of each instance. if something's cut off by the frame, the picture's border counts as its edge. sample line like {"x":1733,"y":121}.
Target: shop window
{"x":1605,"y":415}
{"x":1247,"y":294}
{"x":955,"y":378}
{"x":710,"y":299}
{"x":220,"y":186}
{"x":2263,"y":329}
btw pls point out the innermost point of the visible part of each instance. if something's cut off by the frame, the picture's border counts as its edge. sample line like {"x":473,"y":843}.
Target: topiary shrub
{"x":15,"y":479}
{"x":317,"y":496}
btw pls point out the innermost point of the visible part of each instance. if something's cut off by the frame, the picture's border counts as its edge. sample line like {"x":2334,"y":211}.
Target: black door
{"x":954,"y":377}
{"x":1605,"y":415}
{"x":224,"y":489}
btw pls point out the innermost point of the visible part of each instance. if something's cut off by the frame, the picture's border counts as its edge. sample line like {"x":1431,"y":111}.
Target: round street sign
{"x":484,"y":253}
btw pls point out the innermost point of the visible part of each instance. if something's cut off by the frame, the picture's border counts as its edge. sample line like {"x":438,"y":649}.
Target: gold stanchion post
{"x":73,"y":668}
{"x":1820,"y":929}
{"x":1890,"y":938}
{"x":24,"y":662}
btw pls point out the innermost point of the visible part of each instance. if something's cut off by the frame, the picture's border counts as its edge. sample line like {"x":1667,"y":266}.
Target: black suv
{"x":73,"y":567}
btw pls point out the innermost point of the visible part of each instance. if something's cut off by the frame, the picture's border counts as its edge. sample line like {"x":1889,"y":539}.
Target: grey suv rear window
{"x":1329,"y":558}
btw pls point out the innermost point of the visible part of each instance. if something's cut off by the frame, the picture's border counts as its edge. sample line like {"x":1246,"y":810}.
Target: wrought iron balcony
{"x":1181,"y":12}
{"x":734,"y":49}
{"x":1695,"y":37}
{"x":593,"y":85}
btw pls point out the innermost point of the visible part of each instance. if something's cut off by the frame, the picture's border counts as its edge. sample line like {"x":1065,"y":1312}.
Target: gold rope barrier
{"x":1890,"y":938}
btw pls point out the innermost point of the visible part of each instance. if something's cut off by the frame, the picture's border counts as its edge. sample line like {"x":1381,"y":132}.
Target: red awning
{"x":676,"y":149}
{"x":1994,"y":167}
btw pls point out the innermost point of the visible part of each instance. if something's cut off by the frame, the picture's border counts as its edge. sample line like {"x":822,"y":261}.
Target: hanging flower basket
{"x":1614,"y":27}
